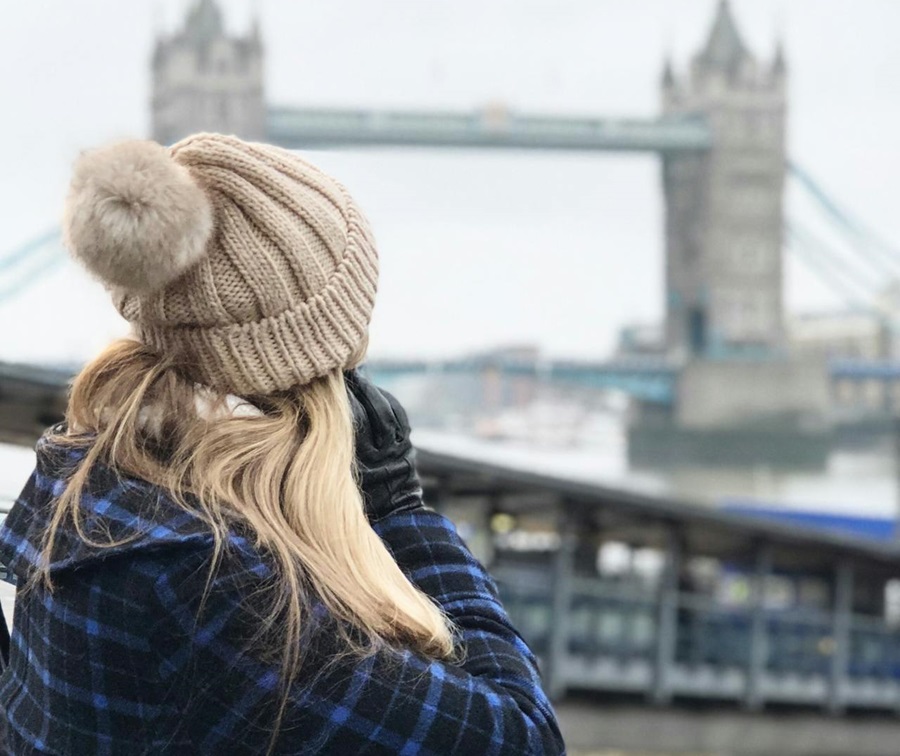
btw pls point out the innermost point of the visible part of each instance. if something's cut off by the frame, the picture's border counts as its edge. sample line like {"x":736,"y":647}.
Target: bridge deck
{"x":298,"y":128}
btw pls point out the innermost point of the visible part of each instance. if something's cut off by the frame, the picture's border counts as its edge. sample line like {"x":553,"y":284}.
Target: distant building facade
{"x":852,"y":335}
{"x":724,"y":218}
{"x":206,"y":80}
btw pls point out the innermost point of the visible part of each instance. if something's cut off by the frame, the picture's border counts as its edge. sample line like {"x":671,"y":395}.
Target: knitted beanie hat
{"x":247,"y":264}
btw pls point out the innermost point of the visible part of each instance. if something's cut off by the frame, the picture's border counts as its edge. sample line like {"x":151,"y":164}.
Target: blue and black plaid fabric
{"x":125,"y":656}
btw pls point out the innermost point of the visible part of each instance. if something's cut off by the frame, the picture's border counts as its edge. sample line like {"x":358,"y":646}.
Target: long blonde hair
{"x":287,"y":474}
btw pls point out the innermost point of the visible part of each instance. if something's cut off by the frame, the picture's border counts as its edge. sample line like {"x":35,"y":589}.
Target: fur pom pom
{"x":134,"y":217}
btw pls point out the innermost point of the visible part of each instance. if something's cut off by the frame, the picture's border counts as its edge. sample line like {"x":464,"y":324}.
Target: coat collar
{"x":119,"y":515}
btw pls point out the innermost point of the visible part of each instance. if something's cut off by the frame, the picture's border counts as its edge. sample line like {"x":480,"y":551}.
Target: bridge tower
{"x":724,"y":218}
{"x":206,"y":80}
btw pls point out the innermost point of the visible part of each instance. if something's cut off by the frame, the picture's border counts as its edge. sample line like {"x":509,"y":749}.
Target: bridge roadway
{"x":491,"y":127}
{"x":651,"y":379}
{"x":33,"y":396}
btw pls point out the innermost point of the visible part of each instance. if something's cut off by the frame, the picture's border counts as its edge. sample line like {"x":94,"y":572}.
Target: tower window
{"x":697,"y":329}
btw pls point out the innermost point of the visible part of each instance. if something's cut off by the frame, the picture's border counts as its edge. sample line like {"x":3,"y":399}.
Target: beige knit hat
{"x":249,"y":265}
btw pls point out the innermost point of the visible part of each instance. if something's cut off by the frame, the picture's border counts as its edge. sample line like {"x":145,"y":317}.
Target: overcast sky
{"x":477,"y":249}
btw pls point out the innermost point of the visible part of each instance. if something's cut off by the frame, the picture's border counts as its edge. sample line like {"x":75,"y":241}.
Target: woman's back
{"x":131,"y":653}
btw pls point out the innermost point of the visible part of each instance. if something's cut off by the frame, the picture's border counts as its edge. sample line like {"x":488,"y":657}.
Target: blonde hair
{"x":287,"y":474}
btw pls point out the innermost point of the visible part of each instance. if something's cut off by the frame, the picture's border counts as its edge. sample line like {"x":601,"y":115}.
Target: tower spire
{"x":255,"y":23}
{"x":725,"y":49}
{"x":668,"y":74}
{"x":205,"y":21}
{"x":779,"y":62}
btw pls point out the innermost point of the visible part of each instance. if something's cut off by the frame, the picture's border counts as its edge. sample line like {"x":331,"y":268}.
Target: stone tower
{"x":206,"y":80}
{"x":724,"y":218}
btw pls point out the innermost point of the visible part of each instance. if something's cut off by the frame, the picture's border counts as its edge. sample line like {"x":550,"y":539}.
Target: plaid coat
{"x":122,"y":658}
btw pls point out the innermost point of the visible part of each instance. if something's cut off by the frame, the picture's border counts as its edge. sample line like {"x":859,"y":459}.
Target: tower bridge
{"x":720,"y":136}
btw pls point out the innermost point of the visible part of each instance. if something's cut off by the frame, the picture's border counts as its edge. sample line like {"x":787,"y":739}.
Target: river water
{"x":854,"y":482}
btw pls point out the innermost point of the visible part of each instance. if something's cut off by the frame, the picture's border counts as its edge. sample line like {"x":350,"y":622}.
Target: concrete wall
{"x":598,"y":728}
{"x":724,"y":393}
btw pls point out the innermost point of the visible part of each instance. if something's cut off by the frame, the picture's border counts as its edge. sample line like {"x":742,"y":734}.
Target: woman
{"x":198,"y":569}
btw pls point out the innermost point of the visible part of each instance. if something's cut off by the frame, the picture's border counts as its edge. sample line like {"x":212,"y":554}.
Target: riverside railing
{"x":611,"y":642}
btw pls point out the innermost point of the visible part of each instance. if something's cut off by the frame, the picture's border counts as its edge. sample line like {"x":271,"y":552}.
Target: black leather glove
{"x":384,"y":454}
